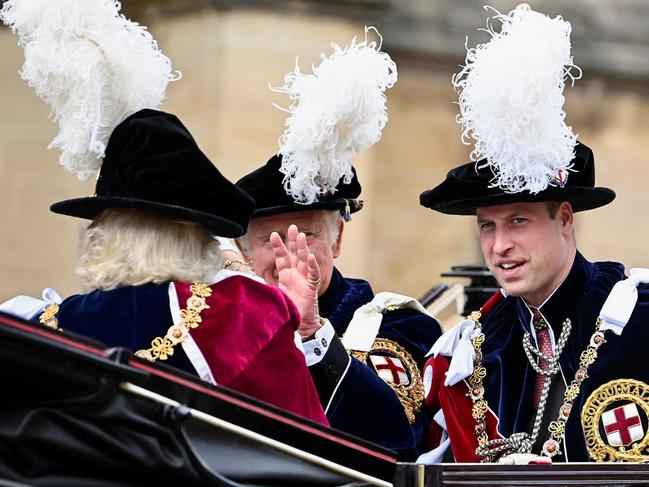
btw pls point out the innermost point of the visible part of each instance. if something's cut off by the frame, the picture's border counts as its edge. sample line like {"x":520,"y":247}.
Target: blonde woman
{"x":150,"y":269}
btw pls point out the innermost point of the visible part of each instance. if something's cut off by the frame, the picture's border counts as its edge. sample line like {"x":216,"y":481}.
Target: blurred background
{"x":229,"y":51}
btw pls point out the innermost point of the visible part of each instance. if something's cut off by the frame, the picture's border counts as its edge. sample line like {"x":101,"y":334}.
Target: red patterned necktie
{"x":544,"y":344}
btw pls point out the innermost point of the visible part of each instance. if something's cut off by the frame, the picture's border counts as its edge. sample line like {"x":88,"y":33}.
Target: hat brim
{"x":90,"y":206}
{"x":581,"y":198}
{"x":354,"y":206}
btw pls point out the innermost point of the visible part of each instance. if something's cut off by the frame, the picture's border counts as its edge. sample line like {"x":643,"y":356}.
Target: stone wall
{"x":227,"y":57}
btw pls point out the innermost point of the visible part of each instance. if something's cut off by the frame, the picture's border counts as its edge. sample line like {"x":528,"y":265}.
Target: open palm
{"x":299,"y":276}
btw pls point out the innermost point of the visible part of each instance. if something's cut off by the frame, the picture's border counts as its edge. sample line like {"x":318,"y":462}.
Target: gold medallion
{"x":614,"y":420}
{"x":399,"y":370}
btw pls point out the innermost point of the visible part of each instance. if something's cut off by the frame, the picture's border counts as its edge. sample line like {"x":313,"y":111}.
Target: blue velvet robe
{"x":129,"y":316}
{"x":362,"y":403}
{"x":510,"y":379}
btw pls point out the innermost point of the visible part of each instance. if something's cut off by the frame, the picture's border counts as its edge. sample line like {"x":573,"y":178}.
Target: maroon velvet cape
{"x":247,"y":338}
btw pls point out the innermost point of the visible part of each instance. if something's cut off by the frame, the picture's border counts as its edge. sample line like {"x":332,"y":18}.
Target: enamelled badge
{"x":615,"y":421}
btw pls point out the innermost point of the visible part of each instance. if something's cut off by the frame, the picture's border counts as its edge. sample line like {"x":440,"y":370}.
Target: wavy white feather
{"x":336,"y":112}
{"x":92,"y":66}
{"x":511,"y":100}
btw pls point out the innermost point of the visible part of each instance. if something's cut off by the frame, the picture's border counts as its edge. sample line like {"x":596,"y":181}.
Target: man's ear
{"x":336,"y":247}
{"x":242,"y":249}
{"x":566,"y":215}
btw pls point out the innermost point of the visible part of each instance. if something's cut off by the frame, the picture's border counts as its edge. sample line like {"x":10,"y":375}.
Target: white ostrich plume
{"x":511,"y":100}
{"x":92,"y":66}
{"x":336,"y":112}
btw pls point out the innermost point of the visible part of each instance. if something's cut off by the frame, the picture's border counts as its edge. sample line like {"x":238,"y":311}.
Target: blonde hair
{"x":129,"y":247}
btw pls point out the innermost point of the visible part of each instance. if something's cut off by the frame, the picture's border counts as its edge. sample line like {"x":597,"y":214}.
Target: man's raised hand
{"x":299,"y":276}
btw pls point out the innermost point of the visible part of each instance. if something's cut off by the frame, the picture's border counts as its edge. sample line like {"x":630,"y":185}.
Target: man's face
{"x":527,"y":251}
{"x":312,"y":224}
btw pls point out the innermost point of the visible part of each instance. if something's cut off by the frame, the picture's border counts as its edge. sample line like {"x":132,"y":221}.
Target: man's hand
{"x":299,"y":277}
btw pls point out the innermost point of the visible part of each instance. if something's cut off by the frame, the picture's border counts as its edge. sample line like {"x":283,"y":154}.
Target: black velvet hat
{"x":467,"y":187}
{"x":266,"y":187}
{"x":153,"y":163}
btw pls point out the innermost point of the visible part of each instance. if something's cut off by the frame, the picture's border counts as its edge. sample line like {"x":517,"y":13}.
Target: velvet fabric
{"x":266,"y":186}
{"x":246,"y":335}
{"x":510,"y":379}
{"x":153,"y":163}
{"x":457,"y":406}
{"x":467,"y":187}
{"x":363,"y":404}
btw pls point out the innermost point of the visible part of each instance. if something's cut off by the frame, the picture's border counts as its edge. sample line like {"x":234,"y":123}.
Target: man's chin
{"x":515,"y":289}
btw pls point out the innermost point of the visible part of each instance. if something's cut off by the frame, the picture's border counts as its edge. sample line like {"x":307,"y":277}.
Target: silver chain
{"x":516,"y":443}
{"x":523,"y":442}
{"x":553,"y":359}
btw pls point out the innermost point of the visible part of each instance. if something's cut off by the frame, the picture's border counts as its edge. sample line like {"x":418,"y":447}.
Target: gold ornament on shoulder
{"x":48,"y":317}
{"x":200,"y":289}
{"x":163,"y":347}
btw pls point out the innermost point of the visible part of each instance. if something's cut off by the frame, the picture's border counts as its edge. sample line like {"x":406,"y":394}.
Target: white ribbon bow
{"x":28,"y":307}
{"x":364,"y":326}
{"x":621,"y":301}
{"x":456,"y":343}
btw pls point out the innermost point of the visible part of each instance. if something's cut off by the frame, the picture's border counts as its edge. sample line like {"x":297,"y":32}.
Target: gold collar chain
{"x":490,"y":450}
{"x":161,"y":347}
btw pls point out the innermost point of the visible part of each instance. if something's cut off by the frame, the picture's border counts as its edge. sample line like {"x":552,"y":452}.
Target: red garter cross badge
{"x":390,"y":369}
{"x":622,"y":425}
{"x":398,"y":369}
{"x":614,"y":419}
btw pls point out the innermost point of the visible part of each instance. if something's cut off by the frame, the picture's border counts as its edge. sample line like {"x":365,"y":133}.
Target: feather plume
{"x":511,"y":100}
{"x":336,"y":112}
{"x":92,"y":66}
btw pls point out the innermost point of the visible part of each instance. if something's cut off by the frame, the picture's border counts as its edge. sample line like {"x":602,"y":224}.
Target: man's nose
{"x":502,"y":241}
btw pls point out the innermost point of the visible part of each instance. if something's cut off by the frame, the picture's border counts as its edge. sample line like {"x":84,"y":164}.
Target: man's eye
{"x":486,"y":225}
{"x":265,"y":240}
{"x":519,"y":220}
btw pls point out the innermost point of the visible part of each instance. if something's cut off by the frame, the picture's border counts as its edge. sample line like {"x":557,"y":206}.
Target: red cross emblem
{"x":622,"y":425}
{"x":390,"y":369}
